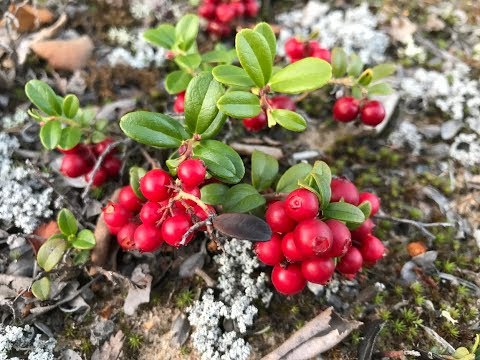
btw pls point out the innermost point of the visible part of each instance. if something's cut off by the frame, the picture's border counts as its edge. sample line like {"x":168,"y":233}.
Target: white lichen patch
{"x":22,"y":341}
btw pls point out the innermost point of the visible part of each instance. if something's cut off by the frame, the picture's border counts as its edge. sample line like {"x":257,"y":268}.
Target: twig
{"x":194,"y":228}
{"x":153,"y":163}
{"x":208,"y":280}
{"x":275,"y":196}
{"x":110,"y":275}
{"x":418,"y":224}
{"x":99,"y":162}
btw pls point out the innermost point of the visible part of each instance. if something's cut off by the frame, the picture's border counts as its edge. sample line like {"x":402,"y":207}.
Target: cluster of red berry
{"x":80,"y":160}
{"x":303,"y":247}
{"x":259,"y":122}
{"x":347,"y":108}
{"x":164,"y":216}
{"x":297,"y":49}
{"x":221,"y":13}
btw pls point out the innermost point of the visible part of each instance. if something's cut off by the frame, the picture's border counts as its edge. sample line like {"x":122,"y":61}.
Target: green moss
{"x":185,"y":298}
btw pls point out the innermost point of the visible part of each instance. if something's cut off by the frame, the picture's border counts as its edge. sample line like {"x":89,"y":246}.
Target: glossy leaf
{"x":81,"y":257}
{"x":339,"y":62}
{"x":254,"y":54}
{"x":66,"y":222}
{"x":217,"y":56}
{"x":51,"y":252}
{"x":85,"y":240}
{"x":214,"y":194}
{"x":221,"y":160}
{"x":380,"y":89}
{"x":232,"y":76}
{"x":186,"y":31}
{"x":264,"y":170}
{"x":41,"y":288}
{"x":322,"y":177}
{"x":303,"y":75}
{"x":201,"y":99}
{"x":188,"y":62}
{"x":288,"y":119}
{"x":215,"y":126}
{"x":242,"y":198}
{"x":177,"y":81}
{"x":239,"y":104}
{"x":136,"y":173}
{"x":266,"y":30}
{"x":153,"y":129}
{"x":366,"y":208}
{"x":355,"y":65}
{"x":383,"y":70}
{"x":243,"y":227}
{"x":344,"y":212}
{"x":43,"y":97}
{"x":70,"y":137}
{"x":163,"y":36}
{"x":289,"y":180}
{"x":50,"y":134}
{"x":70,"y":106}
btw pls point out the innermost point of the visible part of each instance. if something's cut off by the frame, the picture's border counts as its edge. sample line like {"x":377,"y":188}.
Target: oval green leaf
{"x":136,"y":173}
{"x":232,"y":76}
{"x":153,"y":129}
{"x":383,"y":70}
{"x":43,"y":97}
{"x":289,"y":180}
{"x":70,"y":137}
{"x":41,"y":288}
{"x":380,"y":89}
{"x":288,"y":119}
{"x":50,"y":134}
{"x":163,"y":36}
{"x":213,"y":194}
{"x":339,"y":62}
{"x":66,"y":222}
{"x":266,"y":30}
{"x":177,"y":81}
{"x":188,"y":62}
{"x":85,"y":240}
{"x":51,"y":252}
{"x":239,"y":104}
{"x":215,"y":126}
{"x":186,"y":31}
{"x":303,"y":75}
{"x":242,"y":198}
{"x":355,"y":65}
{"x":70,"y":106}
{"x":344,"y":212}
{"x":264,"y":170}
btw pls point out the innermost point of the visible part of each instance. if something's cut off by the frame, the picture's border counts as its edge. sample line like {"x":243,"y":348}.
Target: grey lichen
{"x":22,"y":341}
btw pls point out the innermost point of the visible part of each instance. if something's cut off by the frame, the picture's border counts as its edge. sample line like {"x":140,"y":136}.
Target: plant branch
{"x":275,"y":196}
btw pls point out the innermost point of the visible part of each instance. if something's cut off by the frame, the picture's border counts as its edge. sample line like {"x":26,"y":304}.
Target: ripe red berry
{"x":191,"y":172}
{"x":116,"y":215}
{"x":125,"y":237}
{"x":251,"y":8}
{"x":321,"y":53}
{"x":372,"y":249}
{"x":343,"y":189}
{"x":114,"y":230}
{"x":288,"y":280}
{"x":100,"y":147}
{"x":174,"y":228}
{"x":282,"y":102}
{"x":151,"y":213}
{"x":372,"y":199}
{"x":113,"y":165}
{"x":372,"y":113}
{"x":318,"y":270}
{"x":179,"y":104}
{"x":278,"y":219}
{"x":238,"y":7}
{"x":294,"y":48}
{"x":351,"y":262}
{"x":345,"y":109}
{"x":256,"y":123}
{"x":76,"y":149}
{"x":270,"y":252}
{"x":301,"y":204}
{"x":201,"y":214}
{"x":225,"y":13}
{"x":290,"y":250}
{"x":129,"y":199}
{"x":153,"y":185}
{"x":74,"y":165}
{"x":313,"y":237}
{"x":148,"y":238}
{"x":342,"y":239}
{"x":207,"y":11}
{"x":217,"y":28}
{"x":363,"y":230}
{"x":100,"y":177}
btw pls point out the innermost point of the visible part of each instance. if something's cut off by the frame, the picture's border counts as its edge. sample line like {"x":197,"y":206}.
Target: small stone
{"x":450,"y":128}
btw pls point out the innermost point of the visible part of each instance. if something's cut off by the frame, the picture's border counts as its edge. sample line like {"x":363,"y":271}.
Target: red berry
{"x":174,"y":228}
{"x":288,"y":280}
{"x":75,"y":150}
{"x":113,"y":165}
{"x":301,"y":204}
{"x":151,"y":213}
{"x":372,"y":113}
{"x":153,"y":185}
{"x":100,"y":147}
{"x":345,"y":109}
{"x":114,"y":230}
{"x":351,"y":262}
{"x":179,"y":104}
{"x":270,"y":252}
{"x":290,"y":250}
{"x":256,"y":123}
{"x":125,"y":237}
{"x":278,"y":219}
{"x":207,"y":11}
{"x":282,"y":102}
{"x":363,"y":230}
{"x":225,"y":13}
{"x":201,"y":214}
{"x":129,"y":199}
{"x":294,"y":48}
{"x":218,"y":28}
{"x":372,"y":199}
{"x":238,"y":7}
{"x":343,"y":189}
{"x":313,"y":237}
{"x":148,"y":238}
{"x":318,"y":270}
{"x":191,"y":172}
{"x":322,"y":53}
{"x":116,"y":215}
{"x":342,"y":239}
{"x":251,"y":8}
{"x":74,"y":165}
{"x":372,"y":249}
{"x":100,"y":177}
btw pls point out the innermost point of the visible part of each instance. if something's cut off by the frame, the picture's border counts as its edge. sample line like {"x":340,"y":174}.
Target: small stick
{"x":275,"y":196}
{"x":418,"y":224}
{"x":153,"y":163}
{"x":195,"y":227}
{"x":208,"y":280}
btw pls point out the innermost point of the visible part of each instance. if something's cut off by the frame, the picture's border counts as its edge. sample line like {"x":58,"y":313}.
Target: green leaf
{"x":85,"y":240}
{"x":201,"y":99}
{"x":380,"y":89}
{"x":70,"y":106}
{"x":215,"y":126}
{"x":43,"y":97}
{"x":70,"y":137}
{"x":217,"y":56}
{"x":339,"y":62}
{"x":232,"y":76}
{"x":264,"y":170}
{"x":67,"y":222}
{"x":366,"y":208}
{"x":322,"y":177}
{"x":81,"y":257}
{"x":214,"y":194}
{"x":153,"y":129}
{"x":254,"y":54}
{"x":344,"y":212}
{"x":288,"y":119}
{"x":383,"y":70}
{"x":177,"y":81}
{"x":98,"y":136}
{"x":239,"y":104}
{"x":186,"y":31}
{"x":289,"y":180}
{"x":365,"y":78}
{"x":86,"y":116}
{"x":242,"y":198}
{"x":50,"y":134}
{"x":266,"y":30}
{"x":303,"y":75}
{"x":136,"y":173}
{"x":355,"y":65}
{"x":163,"y":35}
{"x":51,"y":252}
{"x":357,"y":92}
{"x":221,"y":160}
{"x":41,"y":288}
{"x":188,"y":62}
{"x":101,"y":124}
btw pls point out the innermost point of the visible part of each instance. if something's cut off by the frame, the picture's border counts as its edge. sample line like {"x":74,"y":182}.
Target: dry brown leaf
{"x":47,"y":229}
{"x":69,"y":55}
{"x":29,"y":18}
